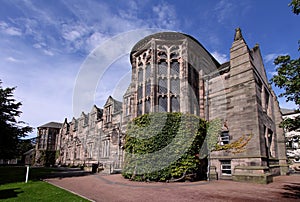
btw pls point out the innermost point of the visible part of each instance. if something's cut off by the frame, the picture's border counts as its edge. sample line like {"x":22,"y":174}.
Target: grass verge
{"x":35,"y":191}
{"x":14,"y":188}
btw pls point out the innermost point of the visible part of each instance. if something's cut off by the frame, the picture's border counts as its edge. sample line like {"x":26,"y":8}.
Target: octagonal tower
{"x":167,"y":68}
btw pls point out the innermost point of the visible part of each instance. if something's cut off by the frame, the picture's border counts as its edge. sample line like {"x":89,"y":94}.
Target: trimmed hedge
{"x":164,"y":146}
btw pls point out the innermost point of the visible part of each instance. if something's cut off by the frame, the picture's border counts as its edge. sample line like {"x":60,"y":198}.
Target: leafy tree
{"x":11,"y":130}
{"x":295,"y":4}
{"x":288,"y":77}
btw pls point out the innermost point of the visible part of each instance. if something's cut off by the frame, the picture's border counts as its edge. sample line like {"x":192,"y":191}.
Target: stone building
{"x":46,"y":143}
{"x":93,"y":139}
{"x":173,"y":72}
{"x":292,"y":139}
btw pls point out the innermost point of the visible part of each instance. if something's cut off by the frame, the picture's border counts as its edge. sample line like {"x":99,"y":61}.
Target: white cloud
{"x":166,"y":16}
{"x":46,"y":31}
{"x":12,"y":59}
{"x":10,"y":30}
{"x":220,"y":57}
{"x":48,"y":52}
{"x":223,"y":10}
{"x":37,"y":45}
{"x":270,"y":57}
{"x":94,"y":40}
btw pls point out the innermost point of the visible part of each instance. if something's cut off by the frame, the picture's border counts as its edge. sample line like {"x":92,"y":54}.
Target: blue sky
{"x":45,"y":44}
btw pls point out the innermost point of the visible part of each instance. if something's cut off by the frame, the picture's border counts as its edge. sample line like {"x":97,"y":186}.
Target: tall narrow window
{"x":140,"y":92}
{"x":163,"y":68}
{"x":75,"y":125}
{"x":175,"y":68}
{"x":175,"y":86}
{"x":140,"y":75}
{"x":267,"y":99}
{"x":108,"y":114}
{"x":147,"y":106}
{"x":163,"y":104}
{"x":162,"y":86}
{"x":139,"y":108}
{"x":175,"y":106}
{"x":148,"y":71}
{"x":148,"y":88}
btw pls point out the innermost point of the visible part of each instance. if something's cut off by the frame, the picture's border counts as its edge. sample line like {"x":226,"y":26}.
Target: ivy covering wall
{"x":163,"y":147}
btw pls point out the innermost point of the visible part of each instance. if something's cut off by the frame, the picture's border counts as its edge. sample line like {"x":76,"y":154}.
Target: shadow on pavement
{"x":292,"y":191}
{"x":67,"y":172}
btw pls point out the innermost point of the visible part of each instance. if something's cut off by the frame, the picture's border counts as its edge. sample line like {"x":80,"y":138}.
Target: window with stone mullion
{"x":147,"y":106}
{"x":175,"y":68}
{"x":175,"y":86}
{"x":175,"y":106}
{"x":163,"y":104}
{"x":148,"y":88}
{"x":162,"y":86}
{"x":163,"y":68}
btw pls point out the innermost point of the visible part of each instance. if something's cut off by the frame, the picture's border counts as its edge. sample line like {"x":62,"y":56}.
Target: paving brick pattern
{"x":115,"y":188}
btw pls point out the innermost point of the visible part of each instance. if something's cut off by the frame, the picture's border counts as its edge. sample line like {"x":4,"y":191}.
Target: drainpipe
{"x":207,"y":119}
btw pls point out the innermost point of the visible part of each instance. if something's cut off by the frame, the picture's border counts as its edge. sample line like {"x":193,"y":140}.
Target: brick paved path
{"x":115,"y":188}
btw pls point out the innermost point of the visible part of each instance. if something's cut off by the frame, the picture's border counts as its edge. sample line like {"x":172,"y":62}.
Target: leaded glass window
{"x":147,"y":106}
{"x":162,"y":86}
{"x":175,"y":106}
{"x":148,"y":71}
{"x":148,"y":88}
{"x":139,"y":108}
{"x":163,"y":68}
{"x":162,"y":104}
{"x":140,"y":76}
{"x":175,"y":86}
{"x":140,"y":92}
{"x":175,"y":68}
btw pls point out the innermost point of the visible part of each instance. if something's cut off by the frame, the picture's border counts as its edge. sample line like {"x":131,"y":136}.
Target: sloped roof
{"x":117,"y":104}
{"x":51,"y":125}
{"x":285,"y":111}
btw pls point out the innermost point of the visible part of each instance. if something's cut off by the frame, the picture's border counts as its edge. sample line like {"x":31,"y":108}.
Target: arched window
{"x":163,"y":104}
{"x":147,"y":106}
{"x":175,"y":106}
{"x":139,"y":108}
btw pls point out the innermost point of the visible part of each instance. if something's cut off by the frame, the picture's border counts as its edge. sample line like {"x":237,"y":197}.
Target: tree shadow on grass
{"x":17,"y":174}
{"x":292,"y":191}
{"x":10,"y":193}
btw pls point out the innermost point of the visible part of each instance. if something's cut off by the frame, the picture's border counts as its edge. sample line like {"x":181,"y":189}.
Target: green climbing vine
{"x":214,"y":131}
{"x":161,"y":139}
{"x":237,"y":146}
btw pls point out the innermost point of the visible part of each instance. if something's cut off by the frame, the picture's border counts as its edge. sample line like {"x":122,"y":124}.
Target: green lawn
{"x":14,"y":188}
